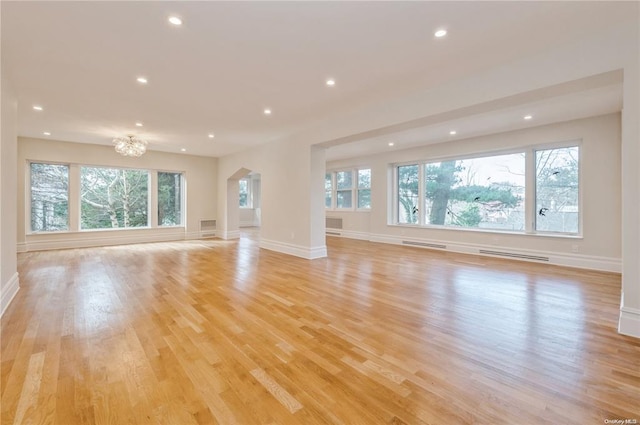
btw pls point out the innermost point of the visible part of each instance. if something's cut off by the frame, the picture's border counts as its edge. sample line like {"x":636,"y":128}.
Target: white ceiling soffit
{"x":596,"y":95}
{"x":230,"y":60}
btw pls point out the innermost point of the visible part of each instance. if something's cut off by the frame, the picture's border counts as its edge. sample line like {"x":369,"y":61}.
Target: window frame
{"x":74,"y":200}
{"x":354,"y":189}
{"x":149,"y":197}
{"x":29,"y":198}
{"x":529,"y":198}
{"x":249,"y":181}
{"x":183,"y":201}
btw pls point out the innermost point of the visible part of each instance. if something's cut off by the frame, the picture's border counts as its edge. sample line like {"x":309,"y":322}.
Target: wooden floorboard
{"x":221,"y":332}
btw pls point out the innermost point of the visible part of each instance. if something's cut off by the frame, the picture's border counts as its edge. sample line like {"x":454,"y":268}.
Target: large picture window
{"x":479,"y":192}
{"x":113,"y":198}
{"x":489,"y":192}
{"x":49,"y":197}
{"x":169,"y":199}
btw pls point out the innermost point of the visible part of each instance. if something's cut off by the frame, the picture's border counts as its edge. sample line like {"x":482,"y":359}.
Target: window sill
{"x":490,"y":231}
{"x":121,"y":229}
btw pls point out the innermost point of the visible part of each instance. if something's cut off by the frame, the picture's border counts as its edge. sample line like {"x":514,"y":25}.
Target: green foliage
{"x":113,"y":198}
{"x":169,"y":199}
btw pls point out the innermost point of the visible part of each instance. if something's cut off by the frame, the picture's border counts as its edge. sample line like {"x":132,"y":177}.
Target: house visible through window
{"x":489,"y":192}
{"x":557,"y":194}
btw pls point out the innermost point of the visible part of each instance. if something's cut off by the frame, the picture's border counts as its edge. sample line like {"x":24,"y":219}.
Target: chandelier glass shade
{"x":130,"y":146}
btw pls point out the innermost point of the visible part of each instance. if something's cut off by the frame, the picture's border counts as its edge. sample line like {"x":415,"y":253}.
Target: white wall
{"x":290,"y":222}
{"x":601,"y":193}
{"x":9,"y":283}
{"x":612,"y":49}
{"x":201,"y":192}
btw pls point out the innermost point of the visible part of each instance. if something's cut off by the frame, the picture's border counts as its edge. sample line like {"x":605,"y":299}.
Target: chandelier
{"x":130,"y":145}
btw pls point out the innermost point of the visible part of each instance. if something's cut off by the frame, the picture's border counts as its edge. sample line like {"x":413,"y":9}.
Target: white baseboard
{"x":231,"y":234}
{"x":629,"y":323}
{"x":9,"y":291}
{"x":348,"y":234}
{"x":295,"y":250}
{"x":94,"y":240}
{"x":561,"y":259}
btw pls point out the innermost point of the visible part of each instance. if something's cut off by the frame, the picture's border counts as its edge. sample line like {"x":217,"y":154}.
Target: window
{"x":169,"y":199}
{"x":328,"y":189}
{"x":364,"y":188}
{"x":344,"y":192}
{"x":479,"y":192}
{"x":557,"y":194}
{"x":245,"y":193}
{"x":113,"y":198}
{"x":489,"y":192}
{"x":408,"y":194}
{"x":49,"y":197}
{"x":348,"y":189}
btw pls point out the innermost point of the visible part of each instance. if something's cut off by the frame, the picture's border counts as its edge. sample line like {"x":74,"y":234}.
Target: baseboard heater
{"x":424,"y":244}
{"x":333,"y":233}
{"x":513,"y":255}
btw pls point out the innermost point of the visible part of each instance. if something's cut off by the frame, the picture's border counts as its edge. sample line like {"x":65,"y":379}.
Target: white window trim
{"x":530,"y":189}
{"x":74,"y":201}
{"x":354,"y":190}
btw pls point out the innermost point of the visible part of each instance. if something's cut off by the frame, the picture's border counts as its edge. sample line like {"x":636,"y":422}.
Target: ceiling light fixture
{"x":267,"y":111}
{"x":175,"y":20}
{"x":453,"y":132}
{"x":211,"y":135}
{"x":138,"y":124}
{"x":331,"y":82}
{"x":528,"y":117}
{"x":46,"y":133}
{"x":183,"y":150}
{"x":130,"y":145}
{"x":440,"y":33}
{"x":142,"y":80}
{"x":37,"y":107}
{"x":391,"y":143}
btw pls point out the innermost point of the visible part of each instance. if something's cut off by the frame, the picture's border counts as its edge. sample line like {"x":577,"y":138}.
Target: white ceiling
{"x":230,"y":60}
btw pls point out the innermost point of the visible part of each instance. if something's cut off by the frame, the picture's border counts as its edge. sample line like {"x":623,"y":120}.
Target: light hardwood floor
{"x":205,"y":332}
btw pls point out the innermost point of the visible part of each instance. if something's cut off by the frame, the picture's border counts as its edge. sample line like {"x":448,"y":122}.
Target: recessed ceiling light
{"x":142,"y":80}
{"x":391,"y":143}
{"x":37,"y":107}
{"x":138,"y":124}
{"x":528,"y":117}
{"x":183,"y":150}
{"x":440,"y":33}
{"x":453,"y":132}
{"x":331,"y":82}
{"x":211,"y":135}
{"x":46,"y":133}
{"x":175,"y":20}
{"x":267,"y":111}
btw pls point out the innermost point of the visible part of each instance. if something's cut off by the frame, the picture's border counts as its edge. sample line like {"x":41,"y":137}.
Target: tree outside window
{"x":113,"y":198}
{"x":49,"y":197}
{"x":344,"y":192}
{"x":364,"y":188}
{"x":169,"y":199}
{"x":557,"y":190}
